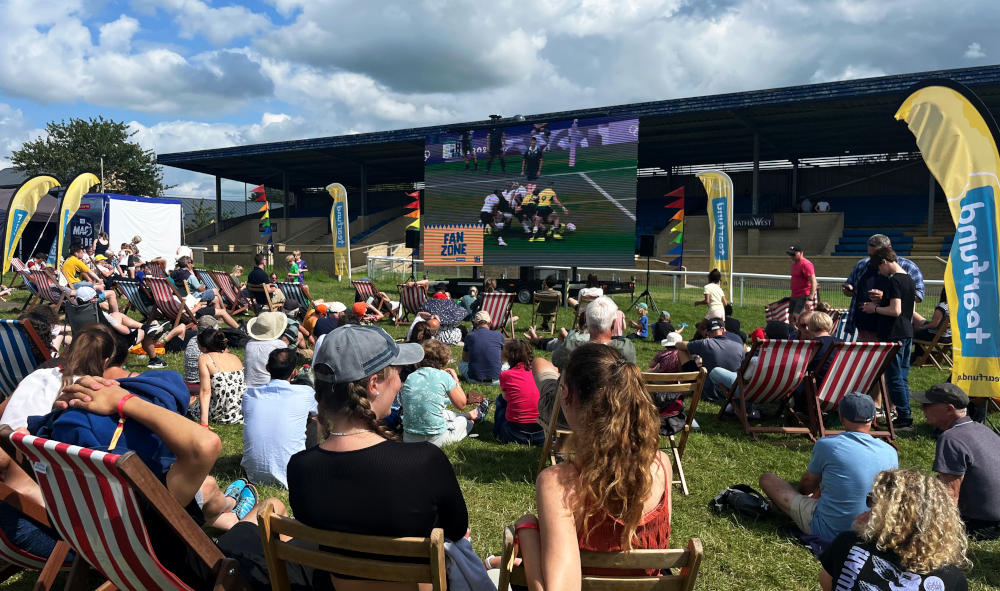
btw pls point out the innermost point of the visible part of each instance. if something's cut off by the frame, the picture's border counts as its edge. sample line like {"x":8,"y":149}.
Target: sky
{"x":199,"y":74}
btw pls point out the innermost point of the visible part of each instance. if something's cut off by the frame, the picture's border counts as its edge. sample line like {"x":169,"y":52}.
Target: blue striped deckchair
{"x":18,"y":360}
{"x":32,"y":290}
{"x":206,"y":278}
{"x":133,"y":293}
{"x":296,"y":291}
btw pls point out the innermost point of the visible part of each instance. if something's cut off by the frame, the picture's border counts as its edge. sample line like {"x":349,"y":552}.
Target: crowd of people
{"x":331,"y":404}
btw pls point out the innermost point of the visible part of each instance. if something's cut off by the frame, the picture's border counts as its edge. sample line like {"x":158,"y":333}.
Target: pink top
{"x":802,"y":270}
{"x":519,"y":388}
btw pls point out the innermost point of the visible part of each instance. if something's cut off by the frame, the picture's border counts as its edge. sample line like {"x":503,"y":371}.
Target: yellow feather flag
{"x":22,"y":206}
{"x":70,"y":204}
{"x":341,"y":230}
{"x":957,"y":138}
{"x":719,"y":187}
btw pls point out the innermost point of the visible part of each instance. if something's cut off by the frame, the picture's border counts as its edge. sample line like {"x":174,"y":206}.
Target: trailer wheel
{"x":524,"y":296}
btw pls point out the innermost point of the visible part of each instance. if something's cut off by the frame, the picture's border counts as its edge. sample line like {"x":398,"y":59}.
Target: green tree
{"x":202,"y":214}
{"x":72,"y":147}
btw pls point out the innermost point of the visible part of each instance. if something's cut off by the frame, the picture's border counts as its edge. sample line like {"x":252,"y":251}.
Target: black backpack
{"x":744,"y":500}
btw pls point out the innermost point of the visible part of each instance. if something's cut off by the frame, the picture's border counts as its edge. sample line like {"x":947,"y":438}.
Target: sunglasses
{"x":869,"y":500}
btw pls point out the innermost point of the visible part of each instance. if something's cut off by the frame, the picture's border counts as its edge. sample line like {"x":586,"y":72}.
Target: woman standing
{"x":222,"y":385}
{"x":614,"y":494}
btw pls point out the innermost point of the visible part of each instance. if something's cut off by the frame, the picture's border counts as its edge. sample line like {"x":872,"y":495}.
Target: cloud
{"x":219,"y":25}
{"x":14,"y":131}
{"x":974,"y":51}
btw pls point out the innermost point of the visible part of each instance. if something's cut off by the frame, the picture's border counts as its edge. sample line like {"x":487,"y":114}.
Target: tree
{"x":202,"y":214}
{"x":76,"y":146}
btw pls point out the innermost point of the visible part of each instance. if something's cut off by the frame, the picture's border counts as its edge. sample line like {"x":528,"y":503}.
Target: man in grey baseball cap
{"x":967,"y":458}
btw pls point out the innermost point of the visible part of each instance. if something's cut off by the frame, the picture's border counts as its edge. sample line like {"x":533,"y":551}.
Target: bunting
{"x":414,"y":207}
{"x":675,"y":227}
{"x":259,"y":194}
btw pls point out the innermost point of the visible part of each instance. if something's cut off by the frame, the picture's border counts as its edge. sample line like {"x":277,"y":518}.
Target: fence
{"x":748,"y":289}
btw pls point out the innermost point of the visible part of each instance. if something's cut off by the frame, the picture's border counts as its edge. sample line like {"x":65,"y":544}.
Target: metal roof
{"x":815,"y":120}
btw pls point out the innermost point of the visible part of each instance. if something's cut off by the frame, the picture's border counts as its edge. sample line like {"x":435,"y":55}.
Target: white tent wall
{"x":157,"y":222}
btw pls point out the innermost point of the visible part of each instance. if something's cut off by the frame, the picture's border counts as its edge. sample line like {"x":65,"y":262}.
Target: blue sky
{"x":194,"y":74}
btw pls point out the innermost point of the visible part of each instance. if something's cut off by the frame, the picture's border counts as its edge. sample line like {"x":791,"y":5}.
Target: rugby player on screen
{"x":465,"y":144}
{"x":531,"y":164}
{"x":488,"y":216}
{"x":495,"y":141}
{"x":545,"y":216}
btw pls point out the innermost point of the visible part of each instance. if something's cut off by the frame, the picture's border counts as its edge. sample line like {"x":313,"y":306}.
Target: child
{"x":293,"y":270}
{"x":642,"y":326}
{"x":303,"y":266}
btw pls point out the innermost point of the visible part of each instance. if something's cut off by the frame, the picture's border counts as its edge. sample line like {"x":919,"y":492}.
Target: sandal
{"x":246,"y":502}
{"x":235,"y":488}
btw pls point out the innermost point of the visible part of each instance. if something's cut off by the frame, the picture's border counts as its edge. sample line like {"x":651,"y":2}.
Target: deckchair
{"x":298,"y":292}
{"x":581,"y":307}
{"x":546,"y":305}
{"x":156,"y":270}
{"x":48,"y":290}
{"x":133,"y":293}
{"x":854,"y":367}
{"x":365,"y":289}
{"x":20,"y":269}
{"x":936,"y":353}
{"x":839,"y":318}
{"x":339,"y":553}
{"x":498,"y":305}
{"x":780,"y":368}
{"x":688,"y":560}
{"x":778,"y":311}
{"x":168,"y":300}
{"x":254,"y":291}
{"x":18,"y":359}
{"x":231,"y":292}
{"x":684,"y":383}
{"x":412,"y":296}
{"x":30,"y":286}
{"x":51,"y":565}
{"x":93,"y":500}
{"x":206,"y":278}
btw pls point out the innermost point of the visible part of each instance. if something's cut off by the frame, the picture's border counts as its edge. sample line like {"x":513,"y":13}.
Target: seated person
{"x":832,"y":491}
{"x":549,"y":310}
{"x":602,"y":315}
{"x":334,"y":317}
{"x":259,"y":278}
{"x":926,"y":330}
{"x":815,"y":326}
{"x":425,"y":396}
{"x":275,"y":420}
{"x":910,"y":537}
{"x":667,"y":360}
{"x":265,"y":331}
{"x":78,"y":274}
{"x":515,"y":419}
{"x":592,"y":290}
{"x":614,"y":493}
{"x":192,"y":352}
{"x":220,"y":372}
{"x":715,"y":351}
{"x":663,"y":327}
{"x":966,"y":458}
{"x":362,"y":313}
{"x":481,"y":363}
{"x":469,"y":302}
{"x":641,"y":325}
{"x":38,"y":262}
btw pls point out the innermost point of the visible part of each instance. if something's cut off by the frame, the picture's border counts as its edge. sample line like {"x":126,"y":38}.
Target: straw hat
{"x":267,"y":326}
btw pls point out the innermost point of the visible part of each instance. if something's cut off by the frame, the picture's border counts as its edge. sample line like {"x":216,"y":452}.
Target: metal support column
{"x":931,"y":190}
{"x":364,"y":196}
{"x":795,"y":183}
{"x":284,"y":206}
{"x":218,"y":204}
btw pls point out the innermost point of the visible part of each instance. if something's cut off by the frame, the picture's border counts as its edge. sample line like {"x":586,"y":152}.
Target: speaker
{"x":647,"y":245}
{"x":413,"y":238}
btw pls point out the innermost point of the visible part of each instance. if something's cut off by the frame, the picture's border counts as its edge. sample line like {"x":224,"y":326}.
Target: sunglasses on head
{"x":869,"y":500}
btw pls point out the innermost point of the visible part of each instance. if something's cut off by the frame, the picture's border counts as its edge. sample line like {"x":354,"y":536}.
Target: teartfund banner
{"x":341,"y":231}
{"x":22,"y":207}
{"x":719,"y":187}
{"x":957,"y":138}
{"x":70,"y":203}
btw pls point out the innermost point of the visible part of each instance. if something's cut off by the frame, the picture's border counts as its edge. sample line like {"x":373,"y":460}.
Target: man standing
{"x":865,"y":278}
{"x":967,"y":459}
{"x":275,"y":420}
{"x":804,"y":287}
{"x":531,"y":165}
{"x":481,"y":356}
{"x":894,"y":310}
{"x":716,"y":351}
{"x":833,"y":490}
{"x":467,"y":149}
{"x":494,"y":142}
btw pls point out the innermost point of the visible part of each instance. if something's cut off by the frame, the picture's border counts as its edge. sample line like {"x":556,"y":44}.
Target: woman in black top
{"x":911,"y":538}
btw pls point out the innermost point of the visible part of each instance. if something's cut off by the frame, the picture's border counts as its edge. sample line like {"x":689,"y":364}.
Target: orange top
{"x":653,"y":532}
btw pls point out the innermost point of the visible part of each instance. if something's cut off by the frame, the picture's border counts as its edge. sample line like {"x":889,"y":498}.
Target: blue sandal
{"x":246,"y":502}
{"x":235,"y":488}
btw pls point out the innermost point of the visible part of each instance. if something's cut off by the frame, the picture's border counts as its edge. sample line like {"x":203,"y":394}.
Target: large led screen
{"x":554,"y":193}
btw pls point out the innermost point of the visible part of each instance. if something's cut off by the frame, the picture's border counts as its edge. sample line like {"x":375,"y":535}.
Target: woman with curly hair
{"x":910,"y":538}
{"x":614,"y":494}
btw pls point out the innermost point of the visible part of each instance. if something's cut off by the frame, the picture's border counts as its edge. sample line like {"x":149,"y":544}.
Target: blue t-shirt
{"x":847,"y":464}
{"x":424,"y":397}
{"x":644,"y":326}
{"x":483,"y":346}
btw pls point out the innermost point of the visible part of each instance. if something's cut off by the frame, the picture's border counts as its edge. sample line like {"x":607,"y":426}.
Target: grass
{"x":498,"y":480}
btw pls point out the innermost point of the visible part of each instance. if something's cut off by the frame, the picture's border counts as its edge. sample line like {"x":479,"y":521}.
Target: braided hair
{"x":349,"y":400}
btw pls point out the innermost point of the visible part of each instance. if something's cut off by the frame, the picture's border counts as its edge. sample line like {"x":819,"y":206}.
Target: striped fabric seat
{"x":17,"y":359}
{"x":133,"y":293}
{"x":780,"y":368}
{"x":412,"y":297}
{"x":206,"y":278}
{"x":778,"y":311}
{"x":50,"y":565}
{"x":168,"y":300}
{"x":93,"y":500}
{"x":156,"y":270}
{"x":498,"y":305}
{"x":48,"y":290}
{"x":297,"y":292}
{"x":230,"y":291}
{"x":840,"y":325}
{"x":854,"y":367}
{"x":365,"y":289}
{"x":18,"y":266}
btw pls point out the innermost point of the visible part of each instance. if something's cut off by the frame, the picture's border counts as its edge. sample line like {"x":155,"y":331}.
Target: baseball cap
{"x":946,"y":393}
{"x":672,"y":339}
{"x":100,"y":257}
{"x":793,"y":249}
{"x":440,"y":296}
{"x":321,"y":309}
{"x":207,"y":322}
{"x":481,"y":316}
{"x":857,"y":408}
{"x":715,"y":324}
{"x":359,"y":309}
{"x":290,"y":305}
{"x":643,"y":305}
{"x":758,"y":334}
{"x":337,"y":307}
{"x":85,"y":294}
{"x":353,"y":352}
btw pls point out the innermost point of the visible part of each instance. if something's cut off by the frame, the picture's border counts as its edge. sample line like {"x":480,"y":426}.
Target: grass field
{"x":498,"y":480}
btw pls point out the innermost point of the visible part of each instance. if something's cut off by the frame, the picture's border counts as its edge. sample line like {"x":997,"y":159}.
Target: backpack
{"x":744,"y":500}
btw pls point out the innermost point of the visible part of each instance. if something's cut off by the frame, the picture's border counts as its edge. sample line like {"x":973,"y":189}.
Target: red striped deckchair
{"x":854,"y":367}
{"x":30,"y":286}
{"x":778,"y":311}
{"x":231,"y":292}
{"x":780,"y":369}
{"x":48,"y":290}
{"x":498,"y":305}
{"x":93,"y":502}
{"x":51,"y":565}
{"x":412,"y":296}
{"x":365,"y":289}
{"x":156,"y":270}
{"x":20,"y":269}
{"x":168,"y":300}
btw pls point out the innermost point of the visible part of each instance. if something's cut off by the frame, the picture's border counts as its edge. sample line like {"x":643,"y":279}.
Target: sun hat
{"x":481,"y":316}
{"x":359,"y":308}
{"x":336,"y":307}
{"x":857,"y":408}
{"x":672,"y":339}
{"x":85,"y":294}
{"x":267,"y":326}
{"x":353,"y":352}
{"x":946,"y":393}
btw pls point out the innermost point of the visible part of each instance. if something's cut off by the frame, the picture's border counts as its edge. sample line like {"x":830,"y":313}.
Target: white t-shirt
{"x":34,"y":396}
{"x":715,"y":307}
{"x":490,"y":203}
{"x":274,"y":429}
{"x":255,"y":363}
{"x":823,"y":207}
{"x":184,"y":251}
